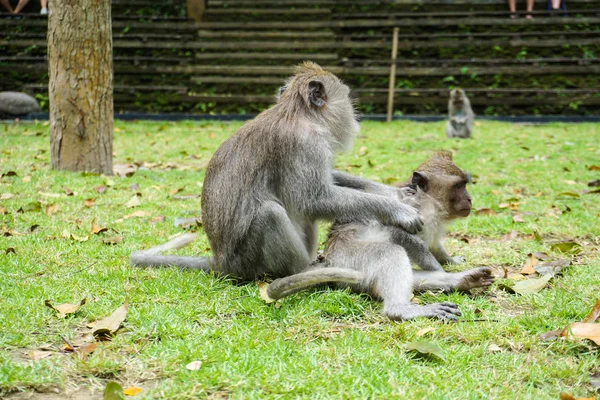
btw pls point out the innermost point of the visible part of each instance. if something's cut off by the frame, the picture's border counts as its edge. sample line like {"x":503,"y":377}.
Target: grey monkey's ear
{"x":316,"y":93}
{"x":280,"y":92}
{"x":420,"y":179}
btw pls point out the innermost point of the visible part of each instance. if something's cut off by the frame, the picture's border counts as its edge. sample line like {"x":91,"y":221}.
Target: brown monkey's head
{"x":445,"y":182}
{"x":320,"y":95}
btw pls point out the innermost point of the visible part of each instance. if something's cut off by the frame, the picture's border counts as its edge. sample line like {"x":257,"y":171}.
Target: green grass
{"x":319,"y":344}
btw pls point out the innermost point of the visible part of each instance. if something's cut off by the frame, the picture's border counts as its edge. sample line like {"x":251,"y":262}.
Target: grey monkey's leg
{"x":442,"y":256}
{"x":281,"y":243}
{"x":153,"y":258}
{"x":450,"y":281}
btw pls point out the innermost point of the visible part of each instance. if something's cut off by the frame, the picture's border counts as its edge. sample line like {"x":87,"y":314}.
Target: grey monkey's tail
{"x":283,"y":287}
{"x":153,"y":258}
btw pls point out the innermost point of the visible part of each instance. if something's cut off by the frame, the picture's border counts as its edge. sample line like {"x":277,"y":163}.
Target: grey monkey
{"x":460,"y":115}
{"x":375,"y":259}
{"x":268,"y":185}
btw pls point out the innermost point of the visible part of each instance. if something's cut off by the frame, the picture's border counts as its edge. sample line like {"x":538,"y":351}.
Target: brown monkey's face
{"x":449,"y":191}
{"x":459,"y":200}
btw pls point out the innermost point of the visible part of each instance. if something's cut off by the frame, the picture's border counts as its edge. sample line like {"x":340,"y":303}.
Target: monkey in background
{"x":460,"y":115}
{"x":376,"y":259}
{"x":268,"y":185}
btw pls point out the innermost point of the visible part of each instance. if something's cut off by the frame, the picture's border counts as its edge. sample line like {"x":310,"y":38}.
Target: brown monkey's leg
{"x":450,"y":281}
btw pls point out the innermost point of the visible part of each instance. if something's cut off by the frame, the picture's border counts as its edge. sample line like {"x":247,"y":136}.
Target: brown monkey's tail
{"x":283,"y":287}
{"x":153,"y":258}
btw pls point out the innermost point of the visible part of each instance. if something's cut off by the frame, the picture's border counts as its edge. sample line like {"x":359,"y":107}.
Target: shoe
{"x":44,"y":11}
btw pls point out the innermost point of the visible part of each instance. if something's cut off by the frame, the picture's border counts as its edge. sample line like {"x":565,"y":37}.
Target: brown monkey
{"x":460,"y":115}
{"x":268,"y":184}
{"x":375,"y":259}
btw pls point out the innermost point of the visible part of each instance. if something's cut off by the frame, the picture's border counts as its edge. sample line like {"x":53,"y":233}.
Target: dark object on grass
{"x":14,"y":104}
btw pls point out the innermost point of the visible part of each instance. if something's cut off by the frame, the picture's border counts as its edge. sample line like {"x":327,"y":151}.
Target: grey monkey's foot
{"x":443,"y":311}
{"x":474,"y":278}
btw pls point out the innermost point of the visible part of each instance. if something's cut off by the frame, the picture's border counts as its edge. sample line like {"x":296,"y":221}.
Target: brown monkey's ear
{"x":316,"y":93}
{"x":419,"y":179}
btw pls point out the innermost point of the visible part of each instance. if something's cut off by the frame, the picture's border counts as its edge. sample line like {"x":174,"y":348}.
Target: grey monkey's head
{"x":320,"y":96}
{"x":457,"y":96}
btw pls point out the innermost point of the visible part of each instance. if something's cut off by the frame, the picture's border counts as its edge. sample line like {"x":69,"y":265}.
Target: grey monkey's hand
{"x":407,"y":218}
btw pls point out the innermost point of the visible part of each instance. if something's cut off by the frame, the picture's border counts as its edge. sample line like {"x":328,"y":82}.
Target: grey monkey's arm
{"x":344,"y":204}
{"x":417,"y":250}
{"x":354,"y":182}
{"x":153,"y":258}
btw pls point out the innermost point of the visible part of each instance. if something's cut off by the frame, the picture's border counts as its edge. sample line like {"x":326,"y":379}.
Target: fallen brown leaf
{"x":262,"y":288}
{"x":594,"y":314}
{"x":583,"y":330}
{"x":3,"y":211}
{"x":68,"y":191}
{"x":26,"y":179}
{"x":124,"y":170}
{"x":66,"y":308}
{"x":530,"y":263}
{"x":593,"y":168}
{"x":96,"y":229}
{"x":10,"y":250}
{"x":509,"y":237}
{"x":518,"y":218}
{"x":51,"y":209}
{"x":100,"y":189}
{"x":158,"y":218}
{"x":113,"y":240}
{"x":6,"y":196}
{"x":109,"y":325}
{"x":89,"y":202}
{"x":194,"y":365}
{"x":37,"y":355}
{"x":133,"y":202}
{"x":485,"y":211}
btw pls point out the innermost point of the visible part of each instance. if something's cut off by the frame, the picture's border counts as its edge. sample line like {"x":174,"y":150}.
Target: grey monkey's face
{"x":457,"y":96}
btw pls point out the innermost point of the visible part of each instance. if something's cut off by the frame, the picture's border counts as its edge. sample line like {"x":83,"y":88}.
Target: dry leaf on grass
{"x":567,"y":396}
{"x":37,"y":355}
{"x":66,"y":308}
{"x":109,"y":325}
{"x":100,"y":189}
{"x":113,"y":240}
{"x":262,"y":288}
{"x":194,"y":365}
{"x":89,"y":202}
{"x":530,"y":263}
{"x":10,"y":250}
{"x":132,"y":391}
{"x":424,"y":331}
{"x":528,"y":286}
{"x":124,"y":170}
{"x":96,"y":229}
{"x":138,"y":213}
{"x":583,"y":330}
{"x":494,"y":348}
{"x":133,"y":202}
{"x":518,"y":218}
{"x":51,"y":209}
{"x":485,"y":211}
{"x":427,"y":349}
{"x":594,"y":314}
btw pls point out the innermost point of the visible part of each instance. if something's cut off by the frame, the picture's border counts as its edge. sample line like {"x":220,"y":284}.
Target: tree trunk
{"x":80,"y":85}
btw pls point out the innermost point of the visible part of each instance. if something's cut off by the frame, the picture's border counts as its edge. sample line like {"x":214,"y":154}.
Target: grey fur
{"x":268,"y":184}
{"x":382,"y":256}
{"x":460,"y":115}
